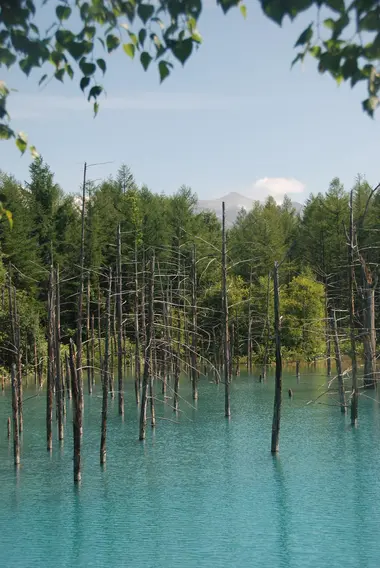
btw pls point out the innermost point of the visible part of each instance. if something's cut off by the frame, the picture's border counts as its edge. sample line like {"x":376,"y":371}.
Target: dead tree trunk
{"x":77,"y":416}
{"x":298,"y":371}
{"x":119,"y":304}
{"x":100,"y":333}
{"x":15,"y":414}
{"x":147,"y":361}
{"x":278,"y":384}
{"x":267,"y":333}
{"x":103,"y":440}
{"x":194,"y":325}
{"x":59,"y":382}
{"x":68,"y":376}
{"x":88,"y":345}
{"x":50,"y":366}
{"x":249,"y":339}
{"x":137,"y":331}
{"x":92,"y":362}
{"x":369,"y":285}
{"x":177,"y":362}
{"x":80,"y":294}
{"x":327,"y":333}
{"x":19,"y":361}
{"x":152,"y":374}
{"x":226,"y":344}
{"x":351,"y":275}
{"x":338,"y":362}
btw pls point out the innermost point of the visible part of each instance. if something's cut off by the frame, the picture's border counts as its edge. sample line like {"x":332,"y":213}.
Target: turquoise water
{"x":204,"y":493}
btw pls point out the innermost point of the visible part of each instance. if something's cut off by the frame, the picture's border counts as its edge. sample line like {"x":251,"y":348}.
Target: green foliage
{"x":303,"y":325}
{"x":172,"y":30}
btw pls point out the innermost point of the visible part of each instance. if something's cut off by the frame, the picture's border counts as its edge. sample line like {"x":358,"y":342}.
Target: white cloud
{"x":276,"y":187}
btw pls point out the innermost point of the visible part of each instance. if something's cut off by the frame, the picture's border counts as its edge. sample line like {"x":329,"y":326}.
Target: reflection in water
{"x":283,"y":513}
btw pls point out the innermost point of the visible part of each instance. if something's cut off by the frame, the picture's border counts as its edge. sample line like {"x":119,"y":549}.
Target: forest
{"x":124,"y":284}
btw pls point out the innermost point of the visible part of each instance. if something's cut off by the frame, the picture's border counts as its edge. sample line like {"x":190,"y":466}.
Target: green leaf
{"x":305,"y":37}
{"x":63,"y":12}
{"x":21,"y":142}
{"x":182,"y":49}
{"x":112,"y":42}
{"x":59,"y":74}
{"x":34,"y":152}
{"x":142,"y":36}
{"x":96,"y":108}
{"x":69,"y":70}
{"x":371,"y":21}
{"x":337,"y":5}
{"x":298,"y":57}
{"x":370,"y":105}
{"x":228,"y":4}
{"x":64,"y":37}
{"x":196,"y":36}
{"x":95,"y":92}
{"x":9,"y":216}
{"x":87,"y":67}
{"x":133,"y":37}
{"x":84,"y":83}
{"x":7,"y":58}
{"x":129,"y":49}
{"x":243,"y":10}
{"x":102,"y":65}
{"x":145,"y":12}
{"x":329,"y":23}
{"x":145,"y":59}
{"x":5,"y":132}
{"x":163,"y":69}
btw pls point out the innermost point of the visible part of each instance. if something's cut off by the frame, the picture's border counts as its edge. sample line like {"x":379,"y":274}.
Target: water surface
{"x":201,"y":493}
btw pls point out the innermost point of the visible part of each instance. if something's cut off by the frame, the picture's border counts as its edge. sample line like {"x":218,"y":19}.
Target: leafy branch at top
{"x":165,"y":31}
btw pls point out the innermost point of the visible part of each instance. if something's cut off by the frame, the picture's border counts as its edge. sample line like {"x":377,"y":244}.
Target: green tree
{"x":302,"y":309}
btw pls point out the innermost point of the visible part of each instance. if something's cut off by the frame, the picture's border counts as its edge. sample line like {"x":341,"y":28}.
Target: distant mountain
{"x":234,"y":203}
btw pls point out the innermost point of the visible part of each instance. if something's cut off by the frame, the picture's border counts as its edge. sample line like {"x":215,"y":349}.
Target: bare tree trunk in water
{"x":298,"y":376}
{"x":194,"y":325}
{"x":327,"y":333}
{"x":80,"y":295}
{"x":278,"y":384}
{"x":88,"y":346}
{"x":249,"y":340}
{"x":50,"y":366}
{"x":338,"y":361}
{"x":19,"y":363}
{"x":267,"y":333}
{"x":147,"y":361}
{"x":119,"y":305}
{"x":68,"y":376}
{"x":137,"y":331}
{"x":151,"y":374}
{"x":103,"y":440}
{"x":351,"y":275}
{"x":369,"y":328}
{"x":77,"y":416}
{"x":15,"y":414}
{"x":177,"y":363}
{"x":92,"y":362}
{"x":58,"y":383}
{"x":100,"y":334}
{"x":226,"y":342}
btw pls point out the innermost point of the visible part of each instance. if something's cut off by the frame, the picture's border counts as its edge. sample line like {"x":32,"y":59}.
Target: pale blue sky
{"x":233,"y":116}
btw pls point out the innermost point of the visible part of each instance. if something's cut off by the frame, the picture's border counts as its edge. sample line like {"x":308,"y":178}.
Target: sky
{"x":234,"y":118}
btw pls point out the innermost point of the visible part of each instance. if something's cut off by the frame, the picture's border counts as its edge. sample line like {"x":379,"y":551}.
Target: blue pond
{"x":202,"y":492}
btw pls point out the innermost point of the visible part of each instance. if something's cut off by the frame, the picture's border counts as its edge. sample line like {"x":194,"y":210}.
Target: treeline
{"x":124,"y":225}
